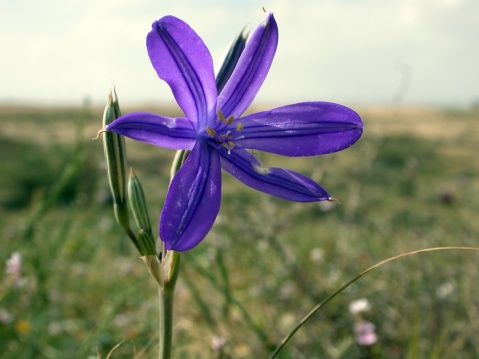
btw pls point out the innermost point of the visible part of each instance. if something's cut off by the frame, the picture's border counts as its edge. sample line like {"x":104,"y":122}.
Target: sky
{"x":367,"y":52}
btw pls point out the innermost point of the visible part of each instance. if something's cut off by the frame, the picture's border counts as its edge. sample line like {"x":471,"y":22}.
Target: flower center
{"x":225,"y":135}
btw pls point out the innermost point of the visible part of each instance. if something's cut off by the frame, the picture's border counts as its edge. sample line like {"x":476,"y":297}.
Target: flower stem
{"x":167,"y":276}
{"x":165,"y":297}
{"x":169,"y":269}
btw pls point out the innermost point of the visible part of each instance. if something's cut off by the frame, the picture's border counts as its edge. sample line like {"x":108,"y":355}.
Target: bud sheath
{"x":137,"y":202}
{"x":114,"y":147}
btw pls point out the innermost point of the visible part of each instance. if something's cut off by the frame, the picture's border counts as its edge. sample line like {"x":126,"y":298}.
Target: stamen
{"x":225,"y":145}
{"x":221,"y":117}
{"x":239,"y":127}
{"x":211,"y":132}
{"x":228,"y":121}
{"x":229,"y":146}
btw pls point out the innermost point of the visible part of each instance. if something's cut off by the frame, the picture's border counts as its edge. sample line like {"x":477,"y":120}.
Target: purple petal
{"x":303,"y":129}
{"x":180,"y":57}
{"x":193,"y":200}
{"x":277,"y":182}
{"x":171,"y":133}
{"x":250,"y":71}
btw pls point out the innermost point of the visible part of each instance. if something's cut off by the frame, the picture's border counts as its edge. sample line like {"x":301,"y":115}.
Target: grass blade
{"x":325,"y":301}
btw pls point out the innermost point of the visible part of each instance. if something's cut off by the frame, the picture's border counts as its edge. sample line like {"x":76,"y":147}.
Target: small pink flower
{"x":13,"y":266}
{"x":365,"y":333}
{"x":217,"y":343}
{"x":5,"y":317}
{"x":316,"y":255}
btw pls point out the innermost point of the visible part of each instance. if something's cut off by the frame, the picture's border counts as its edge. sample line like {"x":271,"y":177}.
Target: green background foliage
{"x":411,"y":182}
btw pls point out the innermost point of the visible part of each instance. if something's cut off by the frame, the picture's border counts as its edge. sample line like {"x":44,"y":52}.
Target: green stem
{"x":165,"y":296}
{"x":169,"y":269}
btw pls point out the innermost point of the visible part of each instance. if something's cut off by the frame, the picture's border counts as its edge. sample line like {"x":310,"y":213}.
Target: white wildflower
{"x":217,"y":343}
{"x":359,"y":306}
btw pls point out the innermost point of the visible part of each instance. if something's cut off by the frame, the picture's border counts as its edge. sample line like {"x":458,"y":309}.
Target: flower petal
{"x":193,"y":200}
{"x":180,"y":57}
{"x":250,"y":71}
{"x":170,"y":133}
{"x":303,"y":129}
{"x":277,"y":182}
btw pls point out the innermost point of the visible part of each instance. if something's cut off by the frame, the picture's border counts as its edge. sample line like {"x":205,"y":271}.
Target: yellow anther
{"x":211,"y":132}
{"x":230,"y":120}
{"x":239,"y":127}
{"x":221,"y":117}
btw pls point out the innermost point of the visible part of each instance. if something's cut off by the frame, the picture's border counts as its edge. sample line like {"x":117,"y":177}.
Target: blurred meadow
{"x":411,"y":182}
{"x":72,"y":284}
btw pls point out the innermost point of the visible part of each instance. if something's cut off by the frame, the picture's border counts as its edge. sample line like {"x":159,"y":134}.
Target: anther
{"x":221,"y":117}
{"x":211,"y":132}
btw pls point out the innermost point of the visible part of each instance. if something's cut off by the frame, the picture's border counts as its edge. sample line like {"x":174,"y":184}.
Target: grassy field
{"x":411,"y":182}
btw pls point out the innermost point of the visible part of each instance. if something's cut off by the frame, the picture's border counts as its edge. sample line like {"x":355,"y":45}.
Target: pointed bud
{"x":137,"y":202}
{"x":230,"y":61}
{"x":146,"y":243}
{"x":115,"y":156}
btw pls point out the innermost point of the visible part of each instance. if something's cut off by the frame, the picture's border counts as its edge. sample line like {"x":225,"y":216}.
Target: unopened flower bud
{"x":137,"y":202}
{"x":146,"y":243}
{"x":115,"y":156}
{"x":230,"y":61}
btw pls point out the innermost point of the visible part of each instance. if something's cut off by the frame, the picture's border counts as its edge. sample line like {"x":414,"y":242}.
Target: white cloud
{"x":341,"y":50}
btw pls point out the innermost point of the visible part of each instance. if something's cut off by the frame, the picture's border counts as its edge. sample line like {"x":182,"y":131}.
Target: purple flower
{"x":218,"y":137}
